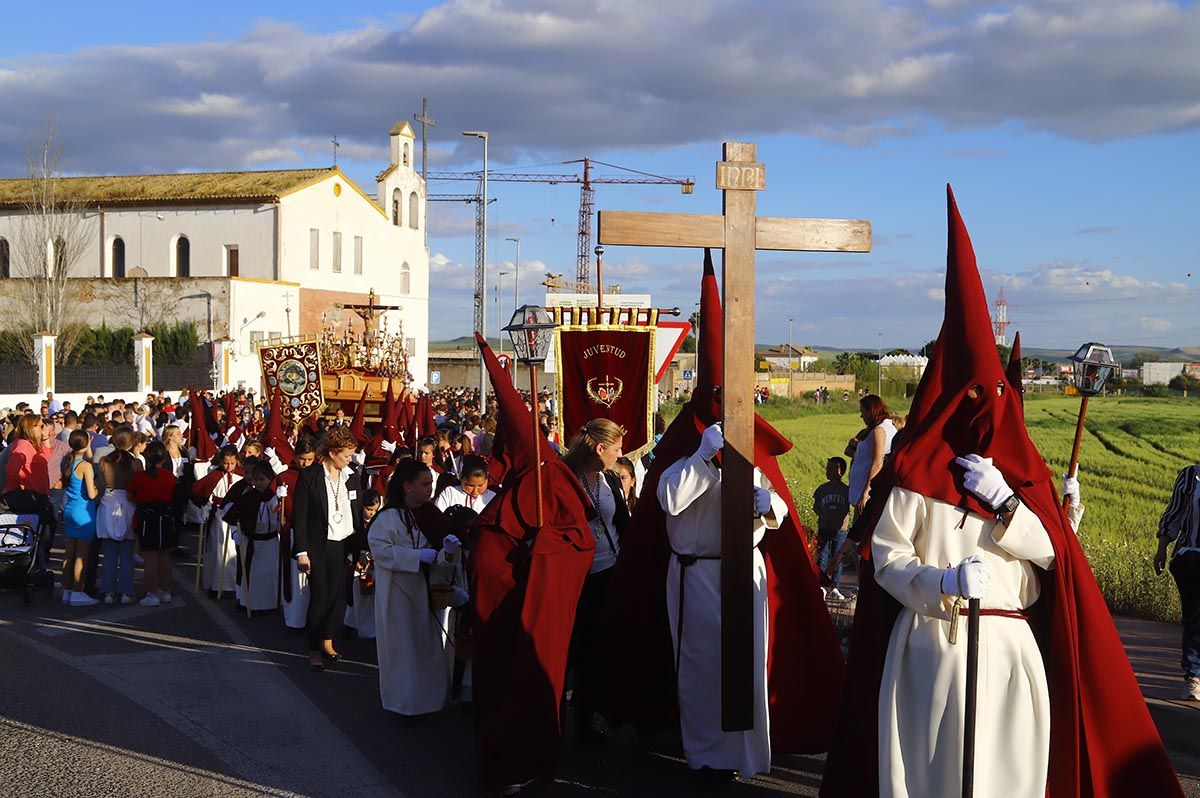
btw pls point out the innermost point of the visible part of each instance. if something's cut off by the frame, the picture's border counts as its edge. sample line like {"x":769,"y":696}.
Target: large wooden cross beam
{"x":739,"y":232}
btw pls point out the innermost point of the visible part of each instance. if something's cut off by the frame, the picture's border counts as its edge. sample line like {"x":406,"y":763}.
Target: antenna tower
{"x":1000,"y":321}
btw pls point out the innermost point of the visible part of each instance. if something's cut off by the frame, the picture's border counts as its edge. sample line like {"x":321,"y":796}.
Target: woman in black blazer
{"x":326,"y":524}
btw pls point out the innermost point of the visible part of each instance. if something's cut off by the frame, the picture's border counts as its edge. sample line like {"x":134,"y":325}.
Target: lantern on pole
{"x":1092,"y":365}
{"x":531,"y":331}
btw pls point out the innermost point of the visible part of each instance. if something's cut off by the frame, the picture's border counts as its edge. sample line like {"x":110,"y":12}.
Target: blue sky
{"x":1068,"y":129}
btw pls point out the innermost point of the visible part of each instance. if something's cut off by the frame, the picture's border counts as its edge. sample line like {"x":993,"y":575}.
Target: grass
{"x":1132,"y":450}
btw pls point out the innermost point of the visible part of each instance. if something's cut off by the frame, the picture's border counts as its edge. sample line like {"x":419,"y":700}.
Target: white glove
{"x":451,"y":545}
{"x":270,"y":453}
{"x":711,"y":442}
{"x":1071,"y":488}
{"x":428,"y":556}
{"x":984,"y":480}
{"x":459,"y":597}
{"x":968,"y":579}
{"x":281,"y":492}
{"x":229,"y":432}
{"x":762,"y":500}
{"x":387,"y":446}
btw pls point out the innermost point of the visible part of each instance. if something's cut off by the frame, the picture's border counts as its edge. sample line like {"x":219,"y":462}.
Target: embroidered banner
{"x":295,"y":369}
{"x":606,"y":372}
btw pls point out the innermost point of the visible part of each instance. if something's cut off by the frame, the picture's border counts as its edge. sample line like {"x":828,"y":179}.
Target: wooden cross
{"x":739,"y":232}
{"x":371,"y":312}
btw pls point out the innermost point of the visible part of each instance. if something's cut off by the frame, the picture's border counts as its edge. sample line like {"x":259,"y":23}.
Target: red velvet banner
{"x":606,"y":372}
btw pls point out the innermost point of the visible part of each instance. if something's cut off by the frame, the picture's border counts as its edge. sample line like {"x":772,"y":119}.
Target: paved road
{"x":195,"y":699}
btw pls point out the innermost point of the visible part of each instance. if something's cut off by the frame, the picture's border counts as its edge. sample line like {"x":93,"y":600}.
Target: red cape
{"x":525,"y":583}
{"x":1103,"y":743}
{"x":805,"y":666}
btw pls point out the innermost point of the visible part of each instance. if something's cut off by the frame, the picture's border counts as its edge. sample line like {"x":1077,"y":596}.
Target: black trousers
{"x":585,"y":657}
{"x":326,"y":584}
{"x":1186,"y":570}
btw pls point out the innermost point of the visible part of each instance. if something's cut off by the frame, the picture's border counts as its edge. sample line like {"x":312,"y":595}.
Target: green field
{"x":1131,"y":453}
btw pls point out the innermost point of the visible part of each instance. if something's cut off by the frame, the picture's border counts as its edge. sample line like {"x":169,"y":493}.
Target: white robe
{"x":220,"y":554}
{"x":360,"y":616}
{"x":263,"y":576}
{"x":690,"y":494}
{"x":295,"y":612}
{"x":416,"y":655}
{"x":922,"y":694}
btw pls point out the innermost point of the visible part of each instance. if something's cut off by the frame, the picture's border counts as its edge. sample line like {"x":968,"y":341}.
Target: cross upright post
{"x":739,"y":232}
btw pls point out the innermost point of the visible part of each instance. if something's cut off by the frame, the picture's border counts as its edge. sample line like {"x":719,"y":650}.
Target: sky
{"x":1068,"y":128}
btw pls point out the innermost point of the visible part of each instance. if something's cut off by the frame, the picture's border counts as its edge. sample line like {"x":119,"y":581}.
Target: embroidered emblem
{"x":605,"y":393}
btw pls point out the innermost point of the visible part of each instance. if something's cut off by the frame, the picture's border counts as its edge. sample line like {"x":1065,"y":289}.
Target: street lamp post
{"x":1092,"y":365}
{"x":531,"y":331}
{"x":482,"y":134}
{"x":499,"y":286}
{"x":517,"y":268}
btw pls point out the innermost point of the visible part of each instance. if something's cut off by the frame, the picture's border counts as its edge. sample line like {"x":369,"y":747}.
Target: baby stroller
{"x":22,"y":560}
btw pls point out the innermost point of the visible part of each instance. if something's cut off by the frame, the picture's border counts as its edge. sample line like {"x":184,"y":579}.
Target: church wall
{"x":386,"y":248}
{"x":150,"y":235}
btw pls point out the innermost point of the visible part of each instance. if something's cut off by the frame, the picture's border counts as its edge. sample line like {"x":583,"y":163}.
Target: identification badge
{"x":353,"y":495}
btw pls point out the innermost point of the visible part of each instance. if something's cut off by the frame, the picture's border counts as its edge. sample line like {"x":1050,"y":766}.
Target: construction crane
{"x":587,"y":195}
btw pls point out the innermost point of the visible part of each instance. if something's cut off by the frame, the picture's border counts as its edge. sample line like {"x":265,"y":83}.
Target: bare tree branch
{"x":51,"y":239}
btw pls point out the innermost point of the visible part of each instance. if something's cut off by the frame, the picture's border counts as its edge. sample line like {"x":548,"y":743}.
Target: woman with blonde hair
{"x":593,"y":457}
{"x":114,"y":519}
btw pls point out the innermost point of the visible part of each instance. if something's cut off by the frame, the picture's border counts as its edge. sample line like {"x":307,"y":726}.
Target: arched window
{"x":406,"y":153}
{"x":405,"y":279}
{"x":5,"y":259}
{"x":183,"y":257}
{"x":397,"y":198}
{"x":412,"y":210}
{"x":118,"y":257}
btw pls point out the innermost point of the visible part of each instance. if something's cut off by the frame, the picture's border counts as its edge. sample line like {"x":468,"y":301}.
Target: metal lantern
{"x":531,"y":332}
{"x":1093,"y":365}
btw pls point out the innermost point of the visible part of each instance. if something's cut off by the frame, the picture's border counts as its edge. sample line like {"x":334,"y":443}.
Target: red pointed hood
{"x":274,"y":436}
{"x":358,"y":427}
{"x":205,"y":448}
{"x":1013,"y":370}
{"x":944,"y":421}
{"x":514,"y":509}
{"x":389,"y":406}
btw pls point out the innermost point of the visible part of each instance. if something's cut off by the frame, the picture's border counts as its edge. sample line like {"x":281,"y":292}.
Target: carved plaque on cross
{"x":738,"y":231}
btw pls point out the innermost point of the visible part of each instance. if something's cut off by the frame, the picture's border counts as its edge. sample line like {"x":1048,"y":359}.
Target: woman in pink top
{"x":27,"y":465}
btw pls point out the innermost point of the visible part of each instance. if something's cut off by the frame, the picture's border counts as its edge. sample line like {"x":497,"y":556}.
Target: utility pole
{"x":425,"y":120}
{"x":481,"y":252}
{"x":335,"y":144}
{"x":791,"y":352}
{"x":879,"y":365}
{"x":517,"y":268}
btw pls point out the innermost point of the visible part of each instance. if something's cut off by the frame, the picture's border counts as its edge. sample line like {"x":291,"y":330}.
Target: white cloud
{"x":565,"y":75}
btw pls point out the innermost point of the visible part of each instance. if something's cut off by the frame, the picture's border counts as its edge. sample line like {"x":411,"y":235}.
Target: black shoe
{"x":316,"y":667}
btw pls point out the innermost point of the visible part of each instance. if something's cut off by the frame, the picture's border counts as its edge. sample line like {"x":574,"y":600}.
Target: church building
{"x":263,"y":254}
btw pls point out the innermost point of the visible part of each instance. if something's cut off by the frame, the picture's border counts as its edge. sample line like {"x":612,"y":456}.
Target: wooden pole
{"x":968,"y":770}
{"x":737,"y":471}
{"x":599,"y":282}
{"x":200,"y":548}
{"x":537,"y":443}
{"x":1073,"y":467}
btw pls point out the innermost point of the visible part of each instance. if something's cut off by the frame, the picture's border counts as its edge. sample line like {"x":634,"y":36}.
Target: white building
{"x":275,"y":249}
{"x":1161,"y":373}
{"x":903,"y":366}
{"x":788,"y":357}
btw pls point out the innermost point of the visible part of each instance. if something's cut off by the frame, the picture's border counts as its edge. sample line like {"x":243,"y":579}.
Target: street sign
{"x":689,"y":374}
{"x":435,"y":378}
{"x":504,"y":360}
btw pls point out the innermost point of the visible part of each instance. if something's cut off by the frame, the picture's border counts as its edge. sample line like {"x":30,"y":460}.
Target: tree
{"x":1003,"y":351}
{"x":843,"y":363}
{"x":51,"y":239}
{"x":1184,"y":382}
{"x":897,"y":352}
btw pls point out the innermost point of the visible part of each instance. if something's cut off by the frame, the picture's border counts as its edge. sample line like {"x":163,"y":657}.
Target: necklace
{"x":335,"y":488}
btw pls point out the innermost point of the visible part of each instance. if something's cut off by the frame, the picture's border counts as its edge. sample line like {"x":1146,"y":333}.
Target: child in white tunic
{"x":360,"y":610}
{"x":414,"y":648}
{"x":256,"y":514}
